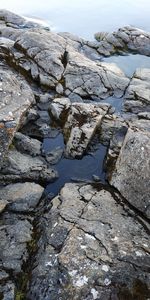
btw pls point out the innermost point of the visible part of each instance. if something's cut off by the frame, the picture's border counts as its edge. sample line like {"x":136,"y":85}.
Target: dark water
{"x":75,"y":169}
{"x":84,"y":17}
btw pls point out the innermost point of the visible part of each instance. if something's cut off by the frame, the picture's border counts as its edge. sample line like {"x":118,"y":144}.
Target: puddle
{"x":115,"y":102}
{"x":75,"y":169}
{"x":129,"y":63}
{"x":49,"y":144}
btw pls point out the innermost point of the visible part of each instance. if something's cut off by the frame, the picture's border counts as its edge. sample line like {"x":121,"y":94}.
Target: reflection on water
{"x":84,"y":17}
{"x":75,"y":169}
{"x":129,"y":63}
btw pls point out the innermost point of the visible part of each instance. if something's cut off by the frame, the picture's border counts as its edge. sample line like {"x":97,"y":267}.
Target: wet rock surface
{"x":74,"y":165}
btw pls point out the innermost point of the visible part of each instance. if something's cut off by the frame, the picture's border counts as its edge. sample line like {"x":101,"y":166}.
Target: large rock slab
{"x":21,"y":197}
{"x":132,"y":171}
{"x":96,"y":248}
{"x":89,"y":79}
{"x":137,"y":97}
{"x":15,"y":99}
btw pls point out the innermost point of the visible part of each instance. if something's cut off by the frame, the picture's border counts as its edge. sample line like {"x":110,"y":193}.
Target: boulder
{"x":22,"y":167}
{"x":22,"y":197}
{"x":82,"y":122}
{"x":132,"y":171}
{"x":27,"y":145}
{"x":137,"y":96}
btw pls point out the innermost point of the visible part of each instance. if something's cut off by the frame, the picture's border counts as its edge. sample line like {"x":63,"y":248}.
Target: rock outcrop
{"x":64,"y":111}
{"x":132,"y":170}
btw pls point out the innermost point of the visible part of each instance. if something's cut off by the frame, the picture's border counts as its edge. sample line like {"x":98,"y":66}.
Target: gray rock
{"x":14,"y":238}
{"x":81,"y":124}
{"x":144,"y":115}
{"x":27,"y":145}
{"x":22,"y":197}
{"x":132,"y":173}
{"x":59,"y":108}
{"x":7,"y":291}
{"x":89,"y":79}
{"x":53,"y":157}
{"x":87,"y":255}
{"x":138,"y":92}
{"x":125,"y":39}
{"x":18,"y":167}
{"x":16,"y":98}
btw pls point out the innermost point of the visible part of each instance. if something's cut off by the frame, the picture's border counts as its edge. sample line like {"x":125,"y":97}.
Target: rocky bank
{"x":58,"y":107}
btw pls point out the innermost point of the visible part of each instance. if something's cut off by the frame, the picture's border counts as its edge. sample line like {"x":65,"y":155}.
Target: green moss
{"x":19,"y":296}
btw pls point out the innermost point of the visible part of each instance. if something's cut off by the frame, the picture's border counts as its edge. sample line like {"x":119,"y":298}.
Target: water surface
{"x":84,"y":17}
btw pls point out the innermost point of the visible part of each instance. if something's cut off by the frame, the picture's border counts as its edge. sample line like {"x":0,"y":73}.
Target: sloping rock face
{"x":15,"y":98}
{"x":137,"y":97}
{"x":95,"y":249}
{"x":89,"y":239}
{"x":132,"y":172}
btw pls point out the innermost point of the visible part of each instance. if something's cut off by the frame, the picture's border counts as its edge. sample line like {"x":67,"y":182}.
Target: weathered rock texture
{"x":90,"y":241}
{"x":95,"y":248}
{"x":132,"y":172}
{"x":15,"y":98}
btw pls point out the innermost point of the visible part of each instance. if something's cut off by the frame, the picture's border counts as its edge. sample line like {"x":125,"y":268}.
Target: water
{"x":75,"y":169}
{"x":129,"y":63}
{"x":84,"y":17}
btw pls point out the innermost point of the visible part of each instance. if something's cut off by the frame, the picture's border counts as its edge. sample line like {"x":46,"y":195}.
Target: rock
{"x":8,"y":291}
{"x":81,"y":124}
{"x":3,"y":204}
{"x":16,"y":98}
{"x":14,"y":238}
{"x":86,"y":253}
{"x":53,"y":157}
{"x":36,"y":46}
{"x":22,"y":197}
{"x":90,"y":80}
{"x":18,"y":167}
{"x":144,"y":115}
{"x":59,"y":109}
{"x":15,"y":21}
{"x":59,"y":89}
{"x":125,"y":39}
{"x":138,"y":92}
{"x":132,"y":172}
{"x":27,"y":145}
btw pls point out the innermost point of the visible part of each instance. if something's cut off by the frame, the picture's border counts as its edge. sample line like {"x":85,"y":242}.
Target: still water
{"x":84,"y":17}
